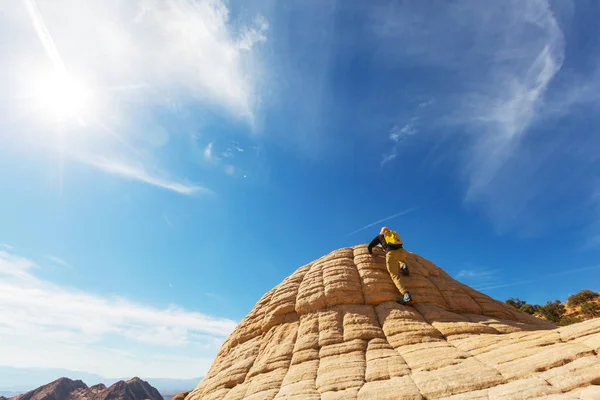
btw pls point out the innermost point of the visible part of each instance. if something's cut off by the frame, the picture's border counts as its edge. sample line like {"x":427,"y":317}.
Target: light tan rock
{"x":474,"y":395}
{"x":299,"y":382}
{"x":332,"y":330}
{"x":581,"y":372}
{"x":590,"y":393}
{"x":523,"y":389}
{"x":342,"y":366}
{"x":465,"y":376}
{"x":383,"y":362}
{"x":397,"y":388}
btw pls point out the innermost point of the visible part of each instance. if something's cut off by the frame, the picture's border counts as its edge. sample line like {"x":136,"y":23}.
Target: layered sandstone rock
{"x":332,"y":330}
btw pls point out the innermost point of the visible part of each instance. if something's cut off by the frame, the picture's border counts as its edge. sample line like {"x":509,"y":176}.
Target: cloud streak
{"x":44,"y":35}
{"x":139,"y":173}
{"x":407,"y":211}
{"x":58,"y":260}
{"x":540,"y":278}
{"x":37,"y":313}
{"x":397,"y":135}
{"x":476,"y":273}
{"x":167,"y":220}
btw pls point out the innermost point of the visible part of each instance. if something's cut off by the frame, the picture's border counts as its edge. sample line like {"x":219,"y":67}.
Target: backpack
{"x":392,"y":237}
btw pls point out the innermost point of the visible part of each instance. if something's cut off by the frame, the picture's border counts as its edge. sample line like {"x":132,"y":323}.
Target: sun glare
{"x":61,"y":97}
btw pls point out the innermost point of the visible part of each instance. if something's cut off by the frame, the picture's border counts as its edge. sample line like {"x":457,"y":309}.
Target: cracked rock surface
{"x":332,"y":330}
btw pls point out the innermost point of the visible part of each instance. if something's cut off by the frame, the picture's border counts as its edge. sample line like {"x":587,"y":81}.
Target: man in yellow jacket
{"x":394,"y":258}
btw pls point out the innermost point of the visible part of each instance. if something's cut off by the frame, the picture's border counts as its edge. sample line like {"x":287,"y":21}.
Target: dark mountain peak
{"x":66,"y":382}
{"x":98,"y":387}
{"x":59,"y":389}
{"x":134,"y":388}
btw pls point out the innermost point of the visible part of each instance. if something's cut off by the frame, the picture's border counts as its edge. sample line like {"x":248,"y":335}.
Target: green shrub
{"x":590,"y":310}
{"x":581,"y":297}
{"x":516,"y":303}
{"x":553,"y":311}
{"x":528,"y":308}
{"x":522,"y":305}
{"x":568,"y":321}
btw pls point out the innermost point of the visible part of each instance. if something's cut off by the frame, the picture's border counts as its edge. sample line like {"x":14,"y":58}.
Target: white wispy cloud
{"x":229,"y":161}
{"x":58,"y":260}
{"x":426,"y":103}
{"x":475,"y":273}
{"x":235,"y":146}
{"x":400,"y":133}
{"x":139,"y":173}
{"x":189,"y":46}
{"x":510,"y":111}
{"x":397,"y":135}
{"x":44,"y":35}
{"x":386,"y":159}
{"x":478,"y":276}
{"x":254,"y":34}
{"x":48,"y":325}
{"x":407,"y":211}
{"x":145,"y":53}
{"x":505,"y":86}
{"x":5,"y":246}
{"x":539,"y":278}
{"x":208,"y":152}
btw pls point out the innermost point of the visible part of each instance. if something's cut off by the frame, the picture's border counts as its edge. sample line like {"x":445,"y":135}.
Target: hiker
{"x":394,"y":258}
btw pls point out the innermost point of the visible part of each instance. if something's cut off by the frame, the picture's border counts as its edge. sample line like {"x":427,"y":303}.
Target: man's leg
{"x":401,"y":257}
{"x":392,"y":261}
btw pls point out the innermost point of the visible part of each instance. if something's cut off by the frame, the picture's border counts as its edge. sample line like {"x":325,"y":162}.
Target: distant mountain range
{"x":15,"y":381}
{"x":68,"y":389}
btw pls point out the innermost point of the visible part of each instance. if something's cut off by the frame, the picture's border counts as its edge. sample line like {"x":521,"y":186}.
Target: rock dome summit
{"x":333,"y":330}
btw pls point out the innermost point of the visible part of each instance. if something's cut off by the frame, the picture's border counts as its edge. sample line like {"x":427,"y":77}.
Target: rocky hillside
{"x":60,"y":389}
{"x":579,"y":307}
{"x":67,"y":389}
{"x":332,"y":330}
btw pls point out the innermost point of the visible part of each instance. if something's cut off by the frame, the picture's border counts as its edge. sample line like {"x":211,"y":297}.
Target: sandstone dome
{"x":332,"y":330}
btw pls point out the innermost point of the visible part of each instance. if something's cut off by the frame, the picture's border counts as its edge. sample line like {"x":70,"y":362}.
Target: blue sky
{"x":165,"y":164}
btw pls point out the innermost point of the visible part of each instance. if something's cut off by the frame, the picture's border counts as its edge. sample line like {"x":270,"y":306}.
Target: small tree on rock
{"x":516,"y":302}
{"x":553,"y":311}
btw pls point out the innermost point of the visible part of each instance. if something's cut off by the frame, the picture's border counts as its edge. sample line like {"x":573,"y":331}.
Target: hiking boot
{"x":404,"y":270}
{"x":407,"y":298}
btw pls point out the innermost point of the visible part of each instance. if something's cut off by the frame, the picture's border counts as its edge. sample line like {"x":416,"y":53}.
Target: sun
{"x":60,"y":97}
